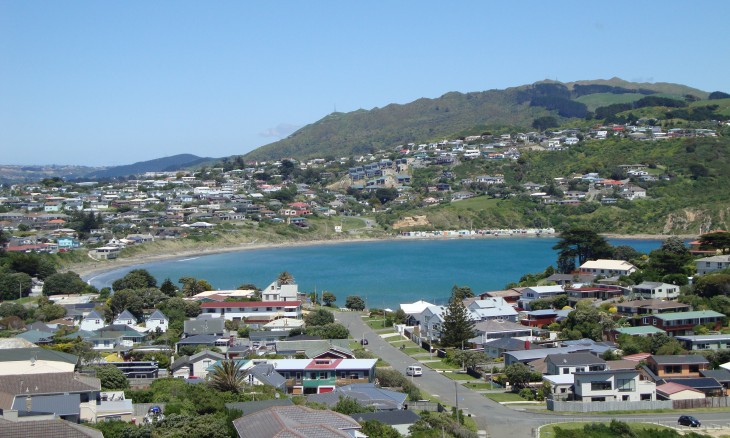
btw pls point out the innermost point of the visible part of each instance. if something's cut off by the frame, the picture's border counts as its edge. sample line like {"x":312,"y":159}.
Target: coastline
{"x":88,"y":270}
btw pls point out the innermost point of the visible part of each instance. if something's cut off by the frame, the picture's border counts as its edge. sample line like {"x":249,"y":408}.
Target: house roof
{"x":616,"y":265}
{"x":700,"y":383}
{"x":392,"y":418}
{"x":574,"y":359}
{"x":679,"y":359}
{"x":249,"y":304}
{"x":639,"y":330}
{"x":35,"y":336}
{"x":47,"y":428}
{"x":59,"y":404}
{"x":294,"y":421}
{"x":94,"y":315}
{"x":255,"y":406}
{"x":510,"y":344}
{"x":157,"y":314}
{"x":722,"y":375}
{"x":126,"y":314}
{"x":366,"y":394}
{"x":266,"y":374}
{"x":199,"y":339}
{"x":19,"y":354}
{"x":673,"y":388}
{"x":46,"y":383}
{"x":675,"y":316}
{"x":705,"y":338}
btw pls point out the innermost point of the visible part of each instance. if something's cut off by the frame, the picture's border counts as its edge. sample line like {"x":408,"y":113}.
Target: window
{"x":322,"y":374}
{"x":694,"y":368}
{"x":672,"y":369}
{"x":625,"y":385}
{"x":566,"y":370}
{"x":269,"y":309}
{"x":600,"y":386}
{"x":313,"y":375}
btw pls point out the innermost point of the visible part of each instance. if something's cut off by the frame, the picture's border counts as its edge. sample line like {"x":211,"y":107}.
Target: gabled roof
{"x":673,"y":388}
{"x":366,"y":394}
{"x":266,"y":374}
{"x":94,"y":315}
{"x":700,"y":383}
{"x":157,"y":314}
{"x":125,"y":315}
{"x":255,"y":406}
{"x":392,"y":418}
{"x":574,"y":359}
{"x":20,"y":354}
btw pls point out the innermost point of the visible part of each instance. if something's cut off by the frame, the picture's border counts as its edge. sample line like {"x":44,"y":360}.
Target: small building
{"x":612,"y":385}
{"x":92,"y":321}
{"x":157,"y":320}
{"x":705,"y":342}
{"x":677,"y":366}
{"x":571,"y":363}
{"x":607,"y":268}
{"x":683,"y":323}
{"x":655,"y":290}
{"x":711,"y":264}
{"x":677,"y":391}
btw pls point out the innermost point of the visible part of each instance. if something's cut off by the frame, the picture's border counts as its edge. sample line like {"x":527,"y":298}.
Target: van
{"x":414,"y":370}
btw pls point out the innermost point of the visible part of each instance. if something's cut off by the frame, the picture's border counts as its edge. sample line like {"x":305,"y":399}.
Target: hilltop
{"x":458,"y":114}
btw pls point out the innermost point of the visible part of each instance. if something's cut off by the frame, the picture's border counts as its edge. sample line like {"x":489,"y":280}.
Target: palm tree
{"x":285,"y":278}
{"x":228,"y":376}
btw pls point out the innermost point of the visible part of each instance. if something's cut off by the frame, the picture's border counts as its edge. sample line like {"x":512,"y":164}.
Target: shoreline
{"x":89,"y":270}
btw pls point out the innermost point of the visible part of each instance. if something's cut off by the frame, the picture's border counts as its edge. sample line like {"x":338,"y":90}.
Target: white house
{"x":657,"y":290}
{"x":280,"y":292}
{"x":93,"y":321}
{"x":607,"y":267}
{"x":711,"y":264}
{"x":492,"y":308}
{"x":253,"y":311}
{"x":538,"y":292}
{"x":612,"y":385}
{"x":157,"y":320}
{"x":125,"y":318}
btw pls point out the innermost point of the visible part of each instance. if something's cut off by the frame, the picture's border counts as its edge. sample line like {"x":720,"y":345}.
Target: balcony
{"x":315,"y":383}
{"x":349,"y":381}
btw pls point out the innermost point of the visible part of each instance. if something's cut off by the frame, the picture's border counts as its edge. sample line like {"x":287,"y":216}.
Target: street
{"x":497,"y":419}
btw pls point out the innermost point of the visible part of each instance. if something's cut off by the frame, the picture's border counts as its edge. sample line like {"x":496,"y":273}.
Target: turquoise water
{"x":384,"y":273}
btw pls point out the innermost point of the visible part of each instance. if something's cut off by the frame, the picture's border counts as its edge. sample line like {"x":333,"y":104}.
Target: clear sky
{"x":115,"y":82}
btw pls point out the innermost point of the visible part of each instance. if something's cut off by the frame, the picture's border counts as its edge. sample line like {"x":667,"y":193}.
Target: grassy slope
{"x":597,"y":100}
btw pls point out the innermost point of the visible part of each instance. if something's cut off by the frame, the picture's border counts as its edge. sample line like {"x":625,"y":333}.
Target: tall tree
{"x":328,"y":298}
{"x":580,"y":244}
{"x":168,"y":288}
{"x":135,"y":279}
{"x":458,"y":327}
{"x":461,"y":292}
{"x":718,"y":240}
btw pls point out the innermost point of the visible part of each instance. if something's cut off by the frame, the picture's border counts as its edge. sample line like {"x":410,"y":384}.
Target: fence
{"x":418,"y":406}
{"x":566,"y":406}
{"x":696,"y":403}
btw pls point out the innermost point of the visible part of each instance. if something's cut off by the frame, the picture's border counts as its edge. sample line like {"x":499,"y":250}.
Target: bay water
{"x":384,"y":273}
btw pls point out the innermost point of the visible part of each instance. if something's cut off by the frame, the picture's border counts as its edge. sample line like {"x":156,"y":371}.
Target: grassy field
{"x":549,"y":430}
{"x":442,"y":365}
{"x":597,"y":100}
{"x":481,"y":385}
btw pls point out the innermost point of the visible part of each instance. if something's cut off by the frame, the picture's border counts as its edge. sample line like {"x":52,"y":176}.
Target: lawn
{"x":375,"y":323}
{"x":505,"y":397}
{"x":458,"y":376}
{"x":442,"y":365}
{"x":413,"y":350}
{"x":549,"y":430}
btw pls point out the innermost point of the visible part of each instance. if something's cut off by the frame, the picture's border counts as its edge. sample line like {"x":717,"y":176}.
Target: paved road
{"x":497,"y":419}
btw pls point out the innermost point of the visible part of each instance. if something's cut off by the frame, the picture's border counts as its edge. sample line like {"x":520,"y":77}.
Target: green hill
{"x":458,"y":114}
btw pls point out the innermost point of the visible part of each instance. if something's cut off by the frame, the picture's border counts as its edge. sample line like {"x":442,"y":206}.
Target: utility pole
{"x":456,"y":390}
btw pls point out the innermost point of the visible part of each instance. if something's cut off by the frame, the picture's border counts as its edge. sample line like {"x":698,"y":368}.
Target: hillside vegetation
{"x":459,"y":114}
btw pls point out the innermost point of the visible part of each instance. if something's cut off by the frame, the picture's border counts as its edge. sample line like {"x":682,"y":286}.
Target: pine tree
{"x":458,"y":327}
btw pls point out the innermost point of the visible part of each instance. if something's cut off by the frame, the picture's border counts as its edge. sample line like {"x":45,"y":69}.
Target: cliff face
{"x":411,"y":221}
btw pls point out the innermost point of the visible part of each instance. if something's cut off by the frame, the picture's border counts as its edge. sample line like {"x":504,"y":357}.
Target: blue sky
{"x":112,"y":82}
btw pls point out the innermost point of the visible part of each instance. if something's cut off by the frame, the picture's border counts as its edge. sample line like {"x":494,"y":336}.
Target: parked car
{"x":414,"y":370}
{"x":363,"y":341}
{"x":688,"y":420}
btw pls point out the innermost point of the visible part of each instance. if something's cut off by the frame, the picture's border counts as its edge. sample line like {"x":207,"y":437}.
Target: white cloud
{"x":281,"y":130}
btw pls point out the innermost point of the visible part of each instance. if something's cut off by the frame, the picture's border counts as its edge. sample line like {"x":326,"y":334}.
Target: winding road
{"x":497,"y":419}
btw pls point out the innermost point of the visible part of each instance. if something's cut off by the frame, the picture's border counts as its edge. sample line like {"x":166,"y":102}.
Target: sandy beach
{"x":91,"y":268}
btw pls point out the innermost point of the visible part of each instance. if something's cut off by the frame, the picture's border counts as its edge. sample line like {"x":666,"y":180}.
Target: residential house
{"x":682,"y":323}
{"x":266,"y":374}
{"x":492,"y":309}
{"x":210,"y":341}
{"x":22,"y":357}
{"x":314,"y":376}
{"x":646,"y":330}
{"x":677,"y":366}
{"x":157,"y":320}
{"x":204,"y":325}
{"x":539,"y":318}
{"x":277,"y":291}
{"x":43,"y":425}
{"x":649,"y":307}
{"x":367,"y":394}
{"x":655,"y":290}
{"x":296,"y":421}
{"x":400,"y":420}
{"x":92,"y":321}
{"x":496,"y":329}
{"x":253,"y":311}
{"x":590,"y":292}
{"x":721,"y":375}
{"x":538,"y":292}
{"x":496,"y":348}
{"x":607,"y":268}
{"x":612,"y":385}
{"x":707,"y":385}
{"x":677,"y":391}
{"x":125,"y":318}
{"x":705,"y":342}
{"x":571,"y":363}
{"x":711,"y":264}
{"x":195,"y":365}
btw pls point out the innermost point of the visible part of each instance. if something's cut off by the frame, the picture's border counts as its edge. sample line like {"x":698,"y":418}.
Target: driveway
{"x":497,"y":419}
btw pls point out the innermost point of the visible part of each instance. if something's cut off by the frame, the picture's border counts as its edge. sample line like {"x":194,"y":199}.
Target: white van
{"x":414,"y":370}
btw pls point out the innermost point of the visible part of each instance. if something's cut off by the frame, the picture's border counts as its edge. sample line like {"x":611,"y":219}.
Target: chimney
{"x":527,"y":345}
